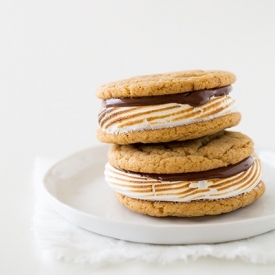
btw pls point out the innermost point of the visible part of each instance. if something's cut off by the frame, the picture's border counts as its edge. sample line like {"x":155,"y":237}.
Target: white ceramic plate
{"x":77,"y":190}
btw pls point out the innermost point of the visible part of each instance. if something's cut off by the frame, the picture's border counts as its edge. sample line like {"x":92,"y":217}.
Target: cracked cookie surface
{"x":205,"y":153}
{"x":164,"y":84}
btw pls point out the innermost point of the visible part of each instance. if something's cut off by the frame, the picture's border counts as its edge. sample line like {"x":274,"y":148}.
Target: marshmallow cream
{"x":124,"y":115}
{"x":138,"y":186}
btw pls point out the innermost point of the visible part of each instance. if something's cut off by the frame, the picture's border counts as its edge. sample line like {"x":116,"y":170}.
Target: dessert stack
{"x":172,"y":152}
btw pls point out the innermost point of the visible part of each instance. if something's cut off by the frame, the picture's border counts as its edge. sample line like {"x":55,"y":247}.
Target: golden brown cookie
{"x":184,"y":132}
{"x":166,"y":107}
{"x":164,"y":84}
{"x":205,"y":153}
{"x":193,"y":208}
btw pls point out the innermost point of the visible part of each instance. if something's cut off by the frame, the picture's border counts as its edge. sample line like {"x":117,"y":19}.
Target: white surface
{"x":54,"y":54}
{"x":71,"y":243}
{"x":77,"y":190}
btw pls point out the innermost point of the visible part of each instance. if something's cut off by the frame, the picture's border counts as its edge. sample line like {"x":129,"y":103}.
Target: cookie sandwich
{"x":166,"y":107}
{"x":210,"y":175}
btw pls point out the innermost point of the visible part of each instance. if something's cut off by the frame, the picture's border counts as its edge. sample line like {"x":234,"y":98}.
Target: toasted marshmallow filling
{"x":138,"y":186}
{"x":152,"y":117}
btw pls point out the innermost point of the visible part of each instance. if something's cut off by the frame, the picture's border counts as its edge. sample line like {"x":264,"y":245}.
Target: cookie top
{"x":205,"y":153}
{"x":165,"y":84}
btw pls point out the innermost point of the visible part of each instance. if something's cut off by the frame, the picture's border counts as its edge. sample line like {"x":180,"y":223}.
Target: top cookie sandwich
{"x":166,"y":107}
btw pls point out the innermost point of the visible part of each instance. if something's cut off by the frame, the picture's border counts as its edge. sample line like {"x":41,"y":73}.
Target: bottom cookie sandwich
{"x":207,"y":176}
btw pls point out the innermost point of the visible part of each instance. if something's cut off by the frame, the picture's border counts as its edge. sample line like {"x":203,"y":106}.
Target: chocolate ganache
{"x":222,"y":172}
{"x":195,"y":98}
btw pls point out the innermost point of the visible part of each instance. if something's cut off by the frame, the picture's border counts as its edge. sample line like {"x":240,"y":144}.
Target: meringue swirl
{"x":152,"y":117}
{"x":137,"y":186}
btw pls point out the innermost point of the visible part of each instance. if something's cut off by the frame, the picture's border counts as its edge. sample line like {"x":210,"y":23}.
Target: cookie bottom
{"x":185,"y":132}
{"x":192,"y":209}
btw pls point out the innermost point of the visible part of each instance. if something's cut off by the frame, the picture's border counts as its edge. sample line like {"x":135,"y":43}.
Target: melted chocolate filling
{"x":222,"y":172}
{"x":195,"y":98}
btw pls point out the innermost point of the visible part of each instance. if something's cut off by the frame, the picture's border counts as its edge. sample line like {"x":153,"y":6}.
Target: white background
{"x":55,"y":53}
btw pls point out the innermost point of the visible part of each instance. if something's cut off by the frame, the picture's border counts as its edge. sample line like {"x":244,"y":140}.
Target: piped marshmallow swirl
{"x":152,"y":117}
{"x":137,"y":186}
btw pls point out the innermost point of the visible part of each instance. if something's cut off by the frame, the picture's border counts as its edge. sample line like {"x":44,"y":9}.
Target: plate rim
{"x":56,"y":202}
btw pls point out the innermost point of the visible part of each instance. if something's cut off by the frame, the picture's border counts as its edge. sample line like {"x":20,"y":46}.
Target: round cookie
{"x":164,"y":84}
{"x":166,"y":107}
{"x":205,"y":153}
{"x":184,"y":132}
{"x":194,"y":208}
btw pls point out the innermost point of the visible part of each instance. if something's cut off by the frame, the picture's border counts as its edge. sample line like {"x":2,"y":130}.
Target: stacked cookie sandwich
{"x":172,"y":154}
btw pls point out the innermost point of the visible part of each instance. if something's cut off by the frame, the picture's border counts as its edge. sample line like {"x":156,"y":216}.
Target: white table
{"x":54,"y":54}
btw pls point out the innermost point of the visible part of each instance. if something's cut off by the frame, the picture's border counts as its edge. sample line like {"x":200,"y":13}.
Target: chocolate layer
{"x":222,"y":172}
{"x":196,"y":98}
